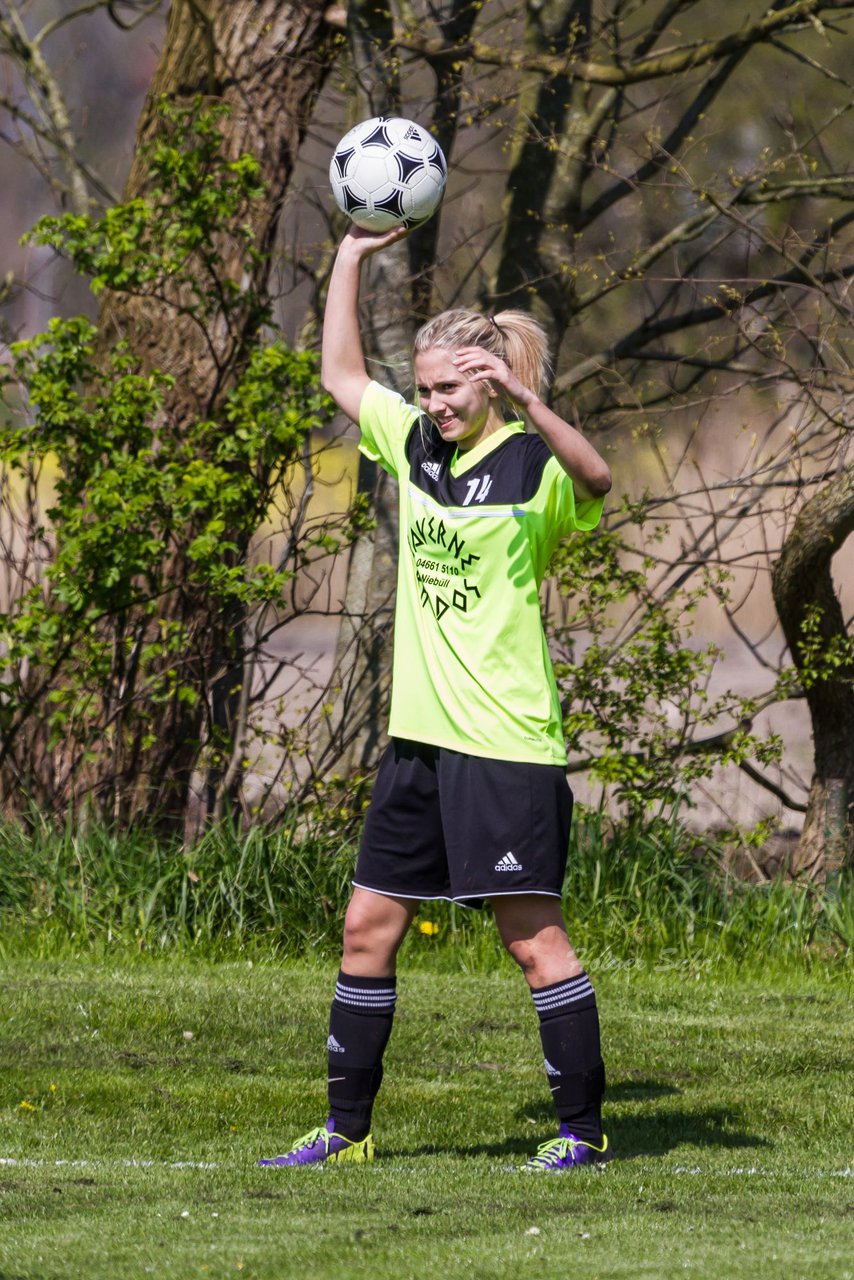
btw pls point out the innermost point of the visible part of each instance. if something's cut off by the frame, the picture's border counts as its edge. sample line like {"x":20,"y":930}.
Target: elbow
{"x":600,"y":484}
{"x":332,"y":369}
{"x":343,"y":385}
{"x":333,"y":386}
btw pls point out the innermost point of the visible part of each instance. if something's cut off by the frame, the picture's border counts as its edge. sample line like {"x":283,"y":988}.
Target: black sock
{"x":359,"y":1027}
{"x":569,"y":1030}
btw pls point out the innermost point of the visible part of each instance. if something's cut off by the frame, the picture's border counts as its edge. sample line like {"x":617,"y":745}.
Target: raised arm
{"x":343,"y":371}
{"x":588,"y":470}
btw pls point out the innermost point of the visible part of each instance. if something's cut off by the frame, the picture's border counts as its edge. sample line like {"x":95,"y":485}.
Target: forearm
{"x":343,"y":371}
{"x":586,"y":468}
{"x":588,"y":471}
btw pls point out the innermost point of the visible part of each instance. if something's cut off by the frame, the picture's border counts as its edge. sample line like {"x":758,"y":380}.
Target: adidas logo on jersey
{"x":550,"y":1070}
{"x":508,"y":863}
{"x":334,"y":1047}
{"x":433,"y":469}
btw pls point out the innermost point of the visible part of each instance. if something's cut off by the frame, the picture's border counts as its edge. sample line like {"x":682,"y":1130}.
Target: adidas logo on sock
{"x":550,"y":1070}
{"x":334,"y":1047}
{"x":508,"y":863}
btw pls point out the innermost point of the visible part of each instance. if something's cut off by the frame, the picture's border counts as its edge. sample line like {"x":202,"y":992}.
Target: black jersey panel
{"x":508,"y":476}
{"x":425,"y":439}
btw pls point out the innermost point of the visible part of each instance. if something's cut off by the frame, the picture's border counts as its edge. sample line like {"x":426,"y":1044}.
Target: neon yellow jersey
{"x":471,"y":667}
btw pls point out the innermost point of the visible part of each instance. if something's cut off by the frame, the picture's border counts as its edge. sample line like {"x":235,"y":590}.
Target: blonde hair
{"x":515,"y":336}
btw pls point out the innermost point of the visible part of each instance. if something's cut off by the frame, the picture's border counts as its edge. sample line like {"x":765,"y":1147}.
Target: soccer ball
{"x":386,"y":172}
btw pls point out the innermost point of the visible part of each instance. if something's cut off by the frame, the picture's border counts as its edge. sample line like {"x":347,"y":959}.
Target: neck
{"x":494,"y":422}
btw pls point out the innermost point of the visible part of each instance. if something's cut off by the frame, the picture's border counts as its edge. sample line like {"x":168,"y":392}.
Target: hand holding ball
{"x":388,"y":172}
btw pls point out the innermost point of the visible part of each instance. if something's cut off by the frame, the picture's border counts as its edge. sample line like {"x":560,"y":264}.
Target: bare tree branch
{"x":669,"y":63}
{"x":47,"y":98}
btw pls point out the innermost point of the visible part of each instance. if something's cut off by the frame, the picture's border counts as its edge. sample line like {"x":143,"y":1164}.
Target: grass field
{"x":136,"y":1098}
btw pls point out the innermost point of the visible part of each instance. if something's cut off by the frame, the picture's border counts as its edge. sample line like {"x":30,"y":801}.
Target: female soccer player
{"x":471,"y":801}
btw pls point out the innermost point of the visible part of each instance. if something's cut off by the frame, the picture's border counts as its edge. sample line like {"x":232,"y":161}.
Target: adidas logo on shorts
{"x":550,"y":1070}
{"x":508,"y":863}
{"x":334,"y":1047}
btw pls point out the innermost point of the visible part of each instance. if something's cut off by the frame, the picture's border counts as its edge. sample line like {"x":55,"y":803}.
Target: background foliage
{"x":623,"y":172}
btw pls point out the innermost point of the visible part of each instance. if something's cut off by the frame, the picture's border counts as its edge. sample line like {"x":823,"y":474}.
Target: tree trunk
{"x":265,"y":59}
{"x":401,"y":281}
{"x":544,"y":183}
{"x":455,"y":21}
{"x":361,"y":680}
{"x":814,"y":627}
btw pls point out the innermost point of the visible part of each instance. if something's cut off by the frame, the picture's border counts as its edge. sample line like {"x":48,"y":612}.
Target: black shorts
{"x":442,"y":824}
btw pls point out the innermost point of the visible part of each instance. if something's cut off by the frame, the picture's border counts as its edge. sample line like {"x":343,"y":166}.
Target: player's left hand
{"x":481,"y":365}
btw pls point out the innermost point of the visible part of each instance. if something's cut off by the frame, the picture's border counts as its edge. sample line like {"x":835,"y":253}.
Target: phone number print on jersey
{"x":442,"y":567}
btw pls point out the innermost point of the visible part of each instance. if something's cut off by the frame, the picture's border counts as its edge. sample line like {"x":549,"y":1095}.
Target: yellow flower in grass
{"x":429,"y":927}
{"x":25,"y":1105}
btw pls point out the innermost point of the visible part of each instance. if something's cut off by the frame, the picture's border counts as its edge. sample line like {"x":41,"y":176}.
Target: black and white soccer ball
{"x":386,"y":172}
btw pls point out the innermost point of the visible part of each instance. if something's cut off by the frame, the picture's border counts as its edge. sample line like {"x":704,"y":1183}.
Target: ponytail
{"x":526,"y":347}
{"x":515,"y":336}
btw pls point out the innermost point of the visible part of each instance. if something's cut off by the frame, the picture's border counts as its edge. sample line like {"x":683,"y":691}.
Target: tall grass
{"x":120,"y":889}
{"x":633,"y":895}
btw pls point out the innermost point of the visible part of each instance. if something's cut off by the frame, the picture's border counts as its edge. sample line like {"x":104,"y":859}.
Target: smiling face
{"x":464,"y":411}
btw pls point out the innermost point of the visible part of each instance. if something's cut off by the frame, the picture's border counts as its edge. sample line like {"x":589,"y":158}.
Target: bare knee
{"x":533,"y":931}
{"x":363,"y":933}
{"x":374,"y":928}
{"x":545,"y":958}
{"x":525,"y":953}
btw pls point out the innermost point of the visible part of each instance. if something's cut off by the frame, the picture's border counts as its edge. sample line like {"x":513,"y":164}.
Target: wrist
{"x":528,"y":400}
{"x":351,"y":251}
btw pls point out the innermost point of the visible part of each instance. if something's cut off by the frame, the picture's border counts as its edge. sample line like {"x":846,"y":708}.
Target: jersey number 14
{"x":478,"y":489}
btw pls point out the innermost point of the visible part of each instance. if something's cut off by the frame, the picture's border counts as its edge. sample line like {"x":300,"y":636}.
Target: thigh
{"x":506,"y":826}
{"x":403,"y":847}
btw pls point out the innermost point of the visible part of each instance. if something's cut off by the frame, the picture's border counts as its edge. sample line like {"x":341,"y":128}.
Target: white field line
{"x":751,"y":1171}
{"x":7,"y":1162}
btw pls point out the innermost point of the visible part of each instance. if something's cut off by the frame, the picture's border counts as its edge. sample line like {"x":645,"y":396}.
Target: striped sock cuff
{"x":560,"y":996}
{"x":366,"y":995}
